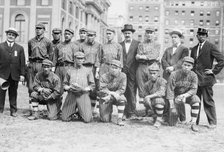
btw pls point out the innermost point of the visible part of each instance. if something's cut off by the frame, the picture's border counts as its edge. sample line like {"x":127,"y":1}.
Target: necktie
{"x":199,"y":48}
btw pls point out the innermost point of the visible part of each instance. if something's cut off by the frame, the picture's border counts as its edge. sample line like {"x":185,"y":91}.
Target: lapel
{"x":177,"y":50}
{"x":130,"y":48}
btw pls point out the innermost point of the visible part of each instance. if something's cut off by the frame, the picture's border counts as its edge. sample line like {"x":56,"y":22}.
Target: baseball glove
{"x":172,"y":117}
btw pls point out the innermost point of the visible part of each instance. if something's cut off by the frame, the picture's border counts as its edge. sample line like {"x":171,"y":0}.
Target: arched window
{"x":20,"y":26}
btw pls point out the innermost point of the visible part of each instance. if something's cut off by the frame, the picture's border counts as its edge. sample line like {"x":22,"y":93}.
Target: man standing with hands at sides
{"x":64,"y":57}
{"x":82,"y":35}
{"x":39,"y":48}
{"x":171,"y":61}
{"x":204,"y":54}
{"x":130,"y":47}
{"x":148,"y":52}
{"x":91,"y":48}
{"x":12,"y":69}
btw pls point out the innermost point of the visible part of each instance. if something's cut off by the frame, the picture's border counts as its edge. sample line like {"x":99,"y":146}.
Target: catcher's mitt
{"x":172,"y":117}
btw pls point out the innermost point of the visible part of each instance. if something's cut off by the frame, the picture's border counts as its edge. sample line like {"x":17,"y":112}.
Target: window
{"x":183,"y":12}
{"x":156,"y":7}
{"x":183,"y":22}
{"x":140,"y":27}
{"x":217,"y":23}
{"x":176,"y":4}
{"x":146,"y":18}
{"x":131,"y":18}
{"x":192,"y":2}
{"x":140,"y":18}
{"x":217,"y":32}
{"x":201,"y":13}
{"x":191,"y":31}
{"x":156,"y":19}
{"x":70,"y":7}
{"x":191,"y":40}
{"x":44,"y":2}
{"x":216,"y":41}
{"x":208,"y":13}
{"x":167,"y":13}
{"x":192,"y":22}
{"x":140,"y":37}
{"x":208,"y":22}
{"x":183,"y":4}
{"x":77,"y":12}
{"x":20,"y":26}
{"x":202,"y":3}
{"x":201,"y":22}
{"x":140,"y":7}
{"x":131,"y":7}
{"x":63,"y":4}
{"x":166,"y":31}
{"x":217,"y":13}
{"x":147,"y":8}
{"x":176,"y":12}
{"x":192,"y":13}
{"x":21,"y":2}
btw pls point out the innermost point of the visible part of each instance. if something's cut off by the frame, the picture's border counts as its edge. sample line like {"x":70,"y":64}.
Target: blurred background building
{"x":75,"y":14}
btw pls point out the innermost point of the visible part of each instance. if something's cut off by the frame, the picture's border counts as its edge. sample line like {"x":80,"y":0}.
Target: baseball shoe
{"x":120,"y":122}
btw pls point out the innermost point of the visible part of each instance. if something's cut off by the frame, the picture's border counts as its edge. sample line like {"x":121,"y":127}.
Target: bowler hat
{"x":69,"y":30}
{"x":128,"y":27}
{"x":12,"y":30}
{"x":188,"y":59}
{"x":40,"y":25}
{"x":47,"y":62}
{"x":202,"y":31}
{"x":177,"y":32}
{"x":56,"y":30}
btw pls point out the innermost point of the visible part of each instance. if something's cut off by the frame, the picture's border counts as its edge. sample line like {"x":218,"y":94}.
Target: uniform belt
{"x":64,"y":64}
{"x":36,"y":60}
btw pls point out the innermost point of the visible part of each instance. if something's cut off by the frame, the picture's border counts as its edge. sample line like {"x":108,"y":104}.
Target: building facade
{"x":75,"y":14}
{"x":185,"y":15}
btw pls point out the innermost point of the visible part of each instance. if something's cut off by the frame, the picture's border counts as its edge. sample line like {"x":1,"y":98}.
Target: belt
{"x":88,"y":64}
{"x":36,"y":60}
{"x":64,"y":64}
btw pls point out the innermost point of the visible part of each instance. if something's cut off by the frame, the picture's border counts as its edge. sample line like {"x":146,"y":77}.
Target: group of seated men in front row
{"x":79,"y":83}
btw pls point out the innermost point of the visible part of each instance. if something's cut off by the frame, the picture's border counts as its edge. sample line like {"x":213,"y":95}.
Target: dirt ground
{"x":21,"y":135}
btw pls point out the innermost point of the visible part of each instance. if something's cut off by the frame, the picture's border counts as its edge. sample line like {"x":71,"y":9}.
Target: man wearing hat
{"x":12,"y":69}
{"x":148,"y":52}
{"x":130,"y":47}
{"x":92,"y":49}
{"x":112,"y":89}
{"x":111,"y":50}
{"x":172,"y":60}
{"x":154,"y":93}
{"x":56,"y":33}
{"x":64,"y":56}
{"x":82,"y":35}
{"x":78,"y":81}
{"x":39,"y":48}
{"x":182,"y":88}
{"x":204,"y":54}
{"x":46,"y":90}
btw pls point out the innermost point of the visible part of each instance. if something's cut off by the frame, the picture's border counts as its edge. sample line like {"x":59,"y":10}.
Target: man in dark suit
{"x":204,"y":54}
{"x":12,"y":69}
{"x":130,"y":65}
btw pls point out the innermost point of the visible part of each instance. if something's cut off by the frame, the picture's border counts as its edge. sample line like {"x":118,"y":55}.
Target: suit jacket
{"x":12,"y":61}
{"x":175,"y":60}
{"x":205,"y":59}
{"x":130,"y":64}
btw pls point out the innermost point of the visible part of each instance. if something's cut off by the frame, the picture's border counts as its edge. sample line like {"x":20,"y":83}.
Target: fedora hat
{"x":128,"y":27}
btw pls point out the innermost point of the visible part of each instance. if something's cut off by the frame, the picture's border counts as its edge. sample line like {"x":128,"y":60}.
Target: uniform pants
{"x":51,"y":105}
{"x":33,"y":69}
{"x":142,"y":78}
{"x":130,"y":95}
{"x":209,"y":104}
{"x":82,"y":102}
{"x":12,"y":91}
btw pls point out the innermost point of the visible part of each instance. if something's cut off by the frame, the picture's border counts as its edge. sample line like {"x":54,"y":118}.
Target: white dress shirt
{"x":127,"y":45}
{"x":200,"y":48}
